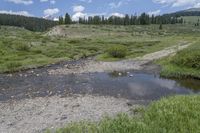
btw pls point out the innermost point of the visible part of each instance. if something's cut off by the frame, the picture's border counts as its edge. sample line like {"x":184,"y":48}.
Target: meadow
{"x":22,"y":49}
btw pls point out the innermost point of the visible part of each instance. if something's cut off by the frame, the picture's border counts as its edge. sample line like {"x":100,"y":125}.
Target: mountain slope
{"x":30,"y":23}
{"x":188,"y":12}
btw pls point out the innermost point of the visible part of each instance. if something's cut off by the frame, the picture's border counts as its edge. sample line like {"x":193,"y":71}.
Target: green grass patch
{"x":170,"y":115}
{"x":117,"y":51}
{"x":185,"y":64}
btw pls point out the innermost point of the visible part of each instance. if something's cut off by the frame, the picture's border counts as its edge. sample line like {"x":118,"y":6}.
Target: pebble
{"x":9,"y":75}
{"x":131,"y":75}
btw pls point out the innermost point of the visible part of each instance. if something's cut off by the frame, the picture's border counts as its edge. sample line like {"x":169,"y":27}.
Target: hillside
{"x":188,"y":12}
{"x":30,"y":23}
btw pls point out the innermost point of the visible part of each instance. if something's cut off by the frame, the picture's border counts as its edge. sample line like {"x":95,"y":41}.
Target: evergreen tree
{"x":144,"y":19}
{"x":160,"y":27}
{"x":30,"y":23}
{"x":126,"y":20}
{"x":61,"y":20}
{"x":67,"y":19}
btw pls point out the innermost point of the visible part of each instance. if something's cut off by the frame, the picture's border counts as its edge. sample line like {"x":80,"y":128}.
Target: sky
{"x":81,"y":8}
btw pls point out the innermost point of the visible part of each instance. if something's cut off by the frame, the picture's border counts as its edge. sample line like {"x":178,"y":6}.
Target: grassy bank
{"x":185,"y":64}
{"x":22,"y":49}
{"x":178,"y":114}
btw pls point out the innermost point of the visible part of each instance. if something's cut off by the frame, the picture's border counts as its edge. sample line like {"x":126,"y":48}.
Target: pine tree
{"x":160,"y":27}
{"x":61,"y":21}
{"x":126,"y":20}
{"x":67,"y":19}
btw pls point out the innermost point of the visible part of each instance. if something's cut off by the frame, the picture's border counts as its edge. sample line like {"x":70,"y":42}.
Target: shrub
{"x":22,"y":47}
{"x":188,"y":57}
{"x":118,"y":51}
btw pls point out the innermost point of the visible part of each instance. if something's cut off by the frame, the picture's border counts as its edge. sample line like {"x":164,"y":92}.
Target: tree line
{"x":143,"y":19}
{"x":40,"y":24}
{"x":30,"y":23}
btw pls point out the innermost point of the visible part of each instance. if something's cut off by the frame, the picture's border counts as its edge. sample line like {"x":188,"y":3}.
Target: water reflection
{"x":130,"y":85}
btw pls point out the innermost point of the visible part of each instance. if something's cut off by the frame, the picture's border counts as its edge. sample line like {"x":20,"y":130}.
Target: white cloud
{"x":25,"y":2}
{"x":119,"y":4}
{"x":178,"y":3}
{"x":87,"y":1}
{"x":78,"y":15}
{"x":197,"y":5}
{"x":117,"y":14}
{"x":24,"y":13}
{"x":115,"y":5}
{"x":51,"y":12}
{"x":44,"y":0}
{"x":78,"y":8}
{"x":157,"y":12}
{"x":51,"y":1}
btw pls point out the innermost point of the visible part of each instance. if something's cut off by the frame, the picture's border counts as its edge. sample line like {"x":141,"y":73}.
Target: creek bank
{"x":92,"y":66}
{"x":35,"y":115}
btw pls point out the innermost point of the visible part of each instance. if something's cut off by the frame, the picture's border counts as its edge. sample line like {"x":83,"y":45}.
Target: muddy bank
{"x":35,"y":115}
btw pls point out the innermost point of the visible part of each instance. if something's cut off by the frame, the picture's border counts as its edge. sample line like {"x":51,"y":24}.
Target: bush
{"x":118,"y":51}
{"x":188,"y":58}
{"x":22,"y":47}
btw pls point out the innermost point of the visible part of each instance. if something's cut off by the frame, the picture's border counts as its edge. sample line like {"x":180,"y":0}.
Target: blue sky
{"x":80,"y":8}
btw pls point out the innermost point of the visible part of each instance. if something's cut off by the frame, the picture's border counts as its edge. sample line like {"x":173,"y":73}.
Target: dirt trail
{"x":91,"y":66}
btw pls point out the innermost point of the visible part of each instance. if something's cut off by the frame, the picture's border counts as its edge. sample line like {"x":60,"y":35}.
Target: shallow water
{"x":130,"y":85}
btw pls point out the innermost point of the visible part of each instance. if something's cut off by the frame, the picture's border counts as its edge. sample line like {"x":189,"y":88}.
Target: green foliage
{"x":188,"y":58}
{"x":185,"y":64}
{"x":143,"y":19}
{"x":175,"y":114}
{"x":160,"y":27}
{"x":13,"y":66}
{"x":22,"y":47}
{"x":67,"y":19}
{"x":169,"y":115}
{"x":117,"y":51}
{"x":30,"y":23}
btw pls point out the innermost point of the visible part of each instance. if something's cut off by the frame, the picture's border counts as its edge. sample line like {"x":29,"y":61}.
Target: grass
{"x":118,"y":51}
{"x":33,"y":49}
{"x":169,"y":115}
{"x":185,"y":64}
{"x":191,"y":19}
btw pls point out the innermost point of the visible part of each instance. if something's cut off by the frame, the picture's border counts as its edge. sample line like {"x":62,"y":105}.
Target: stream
{"x":132,"y":85}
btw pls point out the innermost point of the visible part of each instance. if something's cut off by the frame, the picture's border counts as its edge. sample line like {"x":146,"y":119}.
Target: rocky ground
{"x":35,"y":115}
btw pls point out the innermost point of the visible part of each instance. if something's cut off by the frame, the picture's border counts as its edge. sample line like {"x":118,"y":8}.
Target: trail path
{"x":91,"y":66}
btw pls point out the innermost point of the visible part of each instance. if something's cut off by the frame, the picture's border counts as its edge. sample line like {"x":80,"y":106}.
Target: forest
{"x":143,"y":19}
{"x":40,"y":24}
{"x":30,"y":23}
